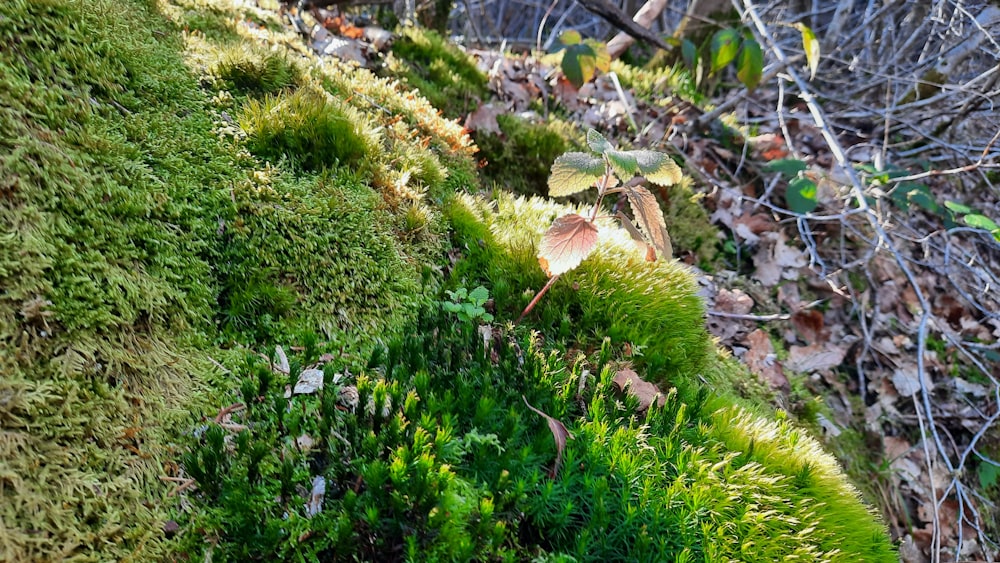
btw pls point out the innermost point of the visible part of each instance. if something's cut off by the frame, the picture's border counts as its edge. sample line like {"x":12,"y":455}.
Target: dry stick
{"x":884,"y":240}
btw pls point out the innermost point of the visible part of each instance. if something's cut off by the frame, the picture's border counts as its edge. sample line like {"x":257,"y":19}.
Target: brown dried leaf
{"x":629,"y":382}
{"x":762,"y":360}
{"x":814,"y":358}
{"x":484,"y":119}
{"x":569,"y":240}
{"x":559,"y":433}
{"x":640,"y":242}
{"x":650,"y":218}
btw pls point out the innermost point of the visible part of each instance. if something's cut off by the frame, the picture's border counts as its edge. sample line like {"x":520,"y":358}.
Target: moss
{"x":450,"y":464}
{"x":308,"y":127}
{"x":520,"y":157}
{"x":440,"y":71}
{"x":255,"y":70}
{"x":614,"y":293}
{"x":323,"y":240}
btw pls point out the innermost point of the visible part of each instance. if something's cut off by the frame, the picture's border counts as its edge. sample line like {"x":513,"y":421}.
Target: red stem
{"x":538,"y":296}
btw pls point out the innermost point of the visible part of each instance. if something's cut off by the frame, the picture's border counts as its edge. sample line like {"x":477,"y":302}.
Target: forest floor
{"x":857,"y":264}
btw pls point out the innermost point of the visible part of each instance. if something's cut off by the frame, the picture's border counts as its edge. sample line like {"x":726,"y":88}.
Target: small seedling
{"x":572,"y":238}
{"x":468,"y":305}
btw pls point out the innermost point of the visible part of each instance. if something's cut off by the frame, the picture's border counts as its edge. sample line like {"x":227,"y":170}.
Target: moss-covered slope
{"x":178,"y":187}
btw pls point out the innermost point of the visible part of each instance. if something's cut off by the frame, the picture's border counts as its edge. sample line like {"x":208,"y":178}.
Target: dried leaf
{"x":569,"y":240}
{"x":650,"y":218}
{"x":762,"y":360}
{"x":315,"y":504}
{"x":484,"y":119}
{"x":640,"y":241}
{"x":814,"y":358}
{"x":628,"y":381}
{"x":574,"y":172}
{"x":559,"y":433}
{"x":281,"y":360}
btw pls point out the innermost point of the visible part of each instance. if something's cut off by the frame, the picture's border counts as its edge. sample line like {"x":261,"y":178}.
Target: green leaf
{"x":597,"y":142}
{"x":787,"y":167}
{"x":690,"y":53}
{"x":624,"y":163}
{"x":574,"y":172}
{"x":982,"y":222}
{"x":725,"y":44}
{"x":988,"y":474}
{"x":801,"y":195}
{"x":958,"y":207}
{"x":811,"y":46}
{"x":582,"y":61}
{"x":908,"y":192}
{"x":479,"y":295}
{"x":750,"y":67}
{"x":658,"y":168}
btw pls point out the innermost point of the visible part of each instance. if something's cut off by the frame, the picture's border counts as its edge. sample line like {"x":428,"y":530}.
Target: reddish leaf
{"x":559,"y":433}
{"x":569,"y":240}
{"x":650,"y":218}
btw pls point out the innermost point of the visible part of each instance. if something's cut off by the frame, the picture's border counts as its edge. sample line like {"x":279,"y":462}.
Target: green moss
{"x":443,"y":73}
{"x":614,"y":293}
{"x":308,"y":127}
{"x":255,"y":70}
{"x":448,"y":463}
{"x":324,"y":240}
{"x":520,"y":157}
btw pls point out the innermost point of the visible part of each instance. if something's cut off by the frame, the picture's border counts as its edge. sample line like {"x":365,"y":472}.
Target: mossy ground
{"x":148,"y":237}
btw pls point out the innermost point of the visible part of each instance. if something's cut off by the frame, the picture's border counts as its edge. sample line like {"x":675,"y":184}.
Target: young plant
{"x":573,"y":237}
{"x":468,"y":305}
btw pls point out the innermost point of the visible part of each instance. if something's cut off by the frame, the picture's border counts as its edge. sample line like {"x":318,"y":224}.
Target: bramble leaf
{"x":569,"y":240}
{"x":725,"y":44}
{"x":750,"y":64}
{"x":657,"y":167}
{"x":570,"y":37}
{"x":574,"y":172}
{"x":624,"y":163}
{"x":581,"y":61}
{"x":690,"y":53}
{"x":650,"y":218}
{"x":597,"y":142}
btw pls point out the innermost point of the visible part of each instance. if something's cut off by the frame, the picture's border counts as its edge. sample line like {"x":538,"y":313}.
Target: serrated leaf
{"x":641,"y":245}
{"x":597,"y":142}
{"x":658,"y":168}
{"x":623,"y":163}
{"x":647,"y":213}
{"x":559,"y":434}
{"x":574,"y":172}
{"x":569,"y":240}
{"x":750,"y":66}
{"x":908,"y":192}
{"x":787,"y":167}
{"x":801,"y":195}
{"x":811,"y":47}
{"x":479,"y":295}
{"x":725,"y":44}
